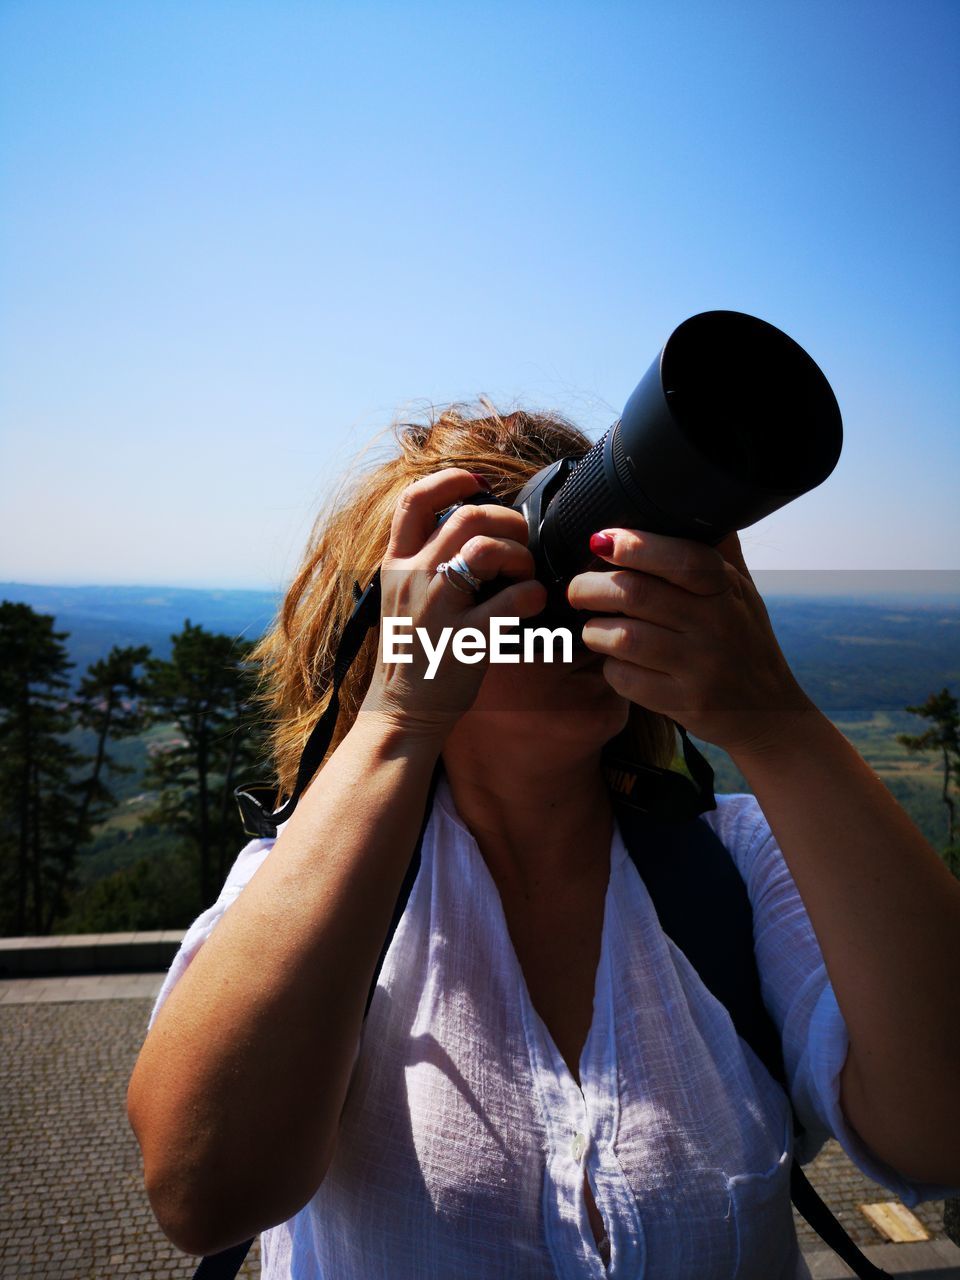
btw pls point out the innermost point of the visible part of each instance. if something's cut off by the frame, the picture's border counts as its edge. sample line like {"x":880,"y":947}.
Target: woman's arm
{"x":886,"y":912}
{"x":692,"y":639}
{"x":236,"y":1095}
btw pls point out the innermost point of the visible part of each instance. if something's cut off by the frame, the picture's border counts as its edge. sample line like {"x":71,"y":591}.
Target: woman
{"x":543,"y":1086}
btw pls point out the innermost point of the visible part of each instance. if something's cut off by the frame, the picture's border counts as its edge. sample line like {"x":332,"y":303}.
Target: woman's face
{"x":558,"y":708}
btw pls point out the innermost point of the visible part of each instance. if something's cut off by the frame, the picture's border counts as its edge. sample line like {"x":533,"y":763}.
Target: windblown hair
{"x":349,"y":540}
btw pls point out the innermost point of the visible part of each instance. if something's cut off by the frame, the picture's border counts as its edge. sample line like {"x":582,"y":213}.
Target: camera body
{"x":532,"y":502}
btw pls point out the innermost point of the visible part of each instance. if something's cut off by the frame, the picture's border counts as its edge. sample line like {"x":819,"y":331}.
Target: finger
{"x":637,"y":595}
{"x":693,"y":566}
{"x":651,"y":689}
{"x":487,"y":558}
{"x":519,"y":600}
{"x":642,"y":643}
{"x":729,"y":547}
{"x":415,"y":517}
{"x":469,"y":521}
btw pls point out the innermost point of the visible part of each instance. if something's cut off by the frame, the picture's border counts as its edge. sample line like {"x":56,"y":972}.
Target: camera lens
{"x":732,"y":421}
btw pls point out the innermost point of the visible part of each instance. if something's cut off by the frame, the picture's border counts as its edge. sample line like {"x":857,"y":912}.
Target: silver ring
{"x":457,"y":571}
{"x":459,"y":565}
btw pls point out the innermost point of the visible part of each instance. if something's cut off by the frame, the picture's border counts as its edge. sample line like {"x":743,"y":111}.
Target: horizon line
{"x":804,"y":582}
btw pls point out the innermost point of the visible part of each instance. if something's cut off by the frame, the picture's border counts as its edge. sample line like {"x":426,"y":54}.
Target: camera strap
{"x":664,"y":793}
{"x":256,"y":799}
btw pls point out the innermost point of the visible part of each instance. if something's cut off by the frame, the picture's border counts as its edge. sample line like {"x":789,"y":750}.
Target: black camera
{"x":732,"y":421}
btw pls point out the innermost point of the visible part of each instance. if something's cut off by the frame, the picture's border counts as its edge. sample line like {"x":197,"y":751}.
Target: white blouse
{"x":465,"y":1139}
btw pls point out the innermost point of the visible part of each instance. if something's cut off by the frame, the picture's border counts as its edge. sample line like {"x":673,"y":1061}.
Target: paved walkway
{"x":73,"y":1205}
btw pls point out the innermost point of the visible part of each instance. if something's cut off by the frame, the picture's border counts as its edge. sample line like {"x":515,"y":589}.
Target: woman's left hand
{"x":691,"y":637}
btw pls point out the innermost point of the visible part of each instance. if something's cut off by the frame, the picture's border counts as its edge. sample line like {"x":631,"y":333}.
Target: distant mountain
{"x":852,"y":657}
{"x":99,"y":617}
{"x":861,"y":657}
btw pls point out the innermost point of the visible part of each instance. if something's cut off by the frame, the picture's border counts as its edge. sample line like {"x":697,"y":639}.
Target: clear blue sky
{"x":236,"y":238}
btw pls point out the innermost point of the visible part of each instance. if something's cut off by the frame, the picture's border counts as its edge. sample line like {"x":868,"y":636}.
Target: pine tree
{"x":205,"y":691}
{"x":106,"y":703}
{"x":943,"y":736}
{"x":42,"y":821}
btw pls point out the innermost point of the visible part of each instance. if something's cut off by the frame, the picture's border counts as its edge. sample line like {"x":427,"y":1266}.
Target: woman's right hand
{"x":493,"y":541}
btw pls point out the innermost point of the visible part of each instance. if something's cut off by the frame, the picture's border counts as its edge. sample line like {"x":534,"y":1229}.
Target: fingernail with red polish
{"x":601,"y":544}
{"x":481,"y":480}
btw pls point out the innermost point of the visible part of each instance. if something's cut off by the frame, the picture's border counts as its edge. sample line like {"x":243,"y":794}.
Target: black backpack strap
{"x":667,"y":794}
{"x":705,"y":910}
{"x":223,"y":1265}
{"x":226,"y":1264}
{"x":703,"y":907}
{"x":809,"y":1204}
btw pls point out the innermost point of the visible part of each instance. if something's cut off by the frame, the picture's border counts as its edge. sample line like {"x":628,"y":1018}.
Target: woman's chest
{"x":557,"y":948}
{"x":458,"y":1142}
{"x":467,"y":1120}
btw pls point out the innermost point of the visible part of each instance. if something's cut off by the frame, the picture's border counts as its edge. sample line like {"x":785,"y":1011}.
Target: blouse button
{"x":578,"y":1146}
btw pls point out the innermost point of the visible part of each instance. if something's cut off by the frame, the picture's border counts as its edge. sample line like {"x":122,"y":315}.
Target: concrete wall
{"x":89,"y":953}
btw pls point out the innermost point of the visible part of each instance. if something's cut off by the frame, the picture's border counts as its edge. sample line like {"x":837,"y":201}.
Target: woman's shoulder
{"x":740,"y":825}
{"x":737,"y":820}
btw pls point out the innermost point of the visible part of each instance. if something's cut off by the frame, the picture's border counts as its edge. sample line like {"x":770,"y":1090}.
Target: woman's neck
{"x":534,"y":820}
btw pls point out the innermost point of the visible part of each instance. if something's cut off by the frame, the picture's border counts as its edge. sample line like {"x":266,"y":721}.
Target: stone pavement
{"x":73,"y":1205}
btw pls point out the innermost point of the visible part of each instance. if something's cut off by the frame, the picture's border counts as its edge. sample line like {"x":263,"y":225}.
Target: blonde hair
{"x":349,"y":540}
